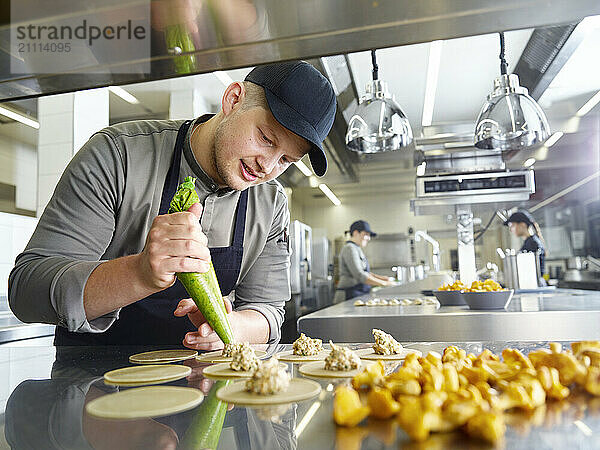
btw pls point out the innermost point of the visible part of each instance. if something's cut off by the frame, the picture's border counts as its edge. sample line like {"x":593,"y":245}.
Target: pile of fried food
{"x":456,"y":390}
{"x":456,"y":286}
{"x":488,"y":285}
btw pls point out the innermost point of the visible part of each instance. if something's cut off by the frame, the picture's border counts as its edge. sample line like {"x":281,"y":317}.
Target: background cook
{"x":356,"y":277}
{"x":523,"y":225}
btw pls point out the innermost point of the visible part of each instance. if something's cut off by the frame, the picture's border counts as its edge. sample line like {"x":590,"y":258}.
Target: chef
{"x":523,"y":225}
{"x":101,"y":263}
{"x":355,"y":275}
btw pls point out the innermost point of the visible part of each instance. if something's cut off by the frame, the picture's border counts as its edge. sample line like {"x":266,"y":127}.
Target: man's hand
{"x":205,"y":338}
{"x":175,"y":243}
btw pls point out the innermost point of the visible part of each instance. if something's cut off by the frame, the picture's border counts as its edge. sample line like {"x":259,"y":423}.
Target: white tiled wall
{"x":66,"y":122}
{"x":15,"y":232}
{"x":18,"y":166}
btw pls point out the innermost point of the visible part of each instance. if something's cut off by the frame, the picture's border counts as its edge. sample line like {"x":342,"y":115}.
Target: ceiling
{"x":155,"y":95}
{"x":241,"y":33}
{"x":467,"y":68}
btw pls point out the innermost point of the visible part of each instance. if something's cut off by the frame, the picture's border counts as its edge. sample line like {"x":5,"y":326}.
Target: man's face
{"x":251,"y":147}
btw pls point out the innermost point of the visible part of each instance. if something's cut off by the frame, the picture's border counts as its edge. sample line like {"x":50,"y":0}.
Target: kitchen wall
{"x":387,"y":214}
{"x":15,"y":231}
{"x":18,"y":167}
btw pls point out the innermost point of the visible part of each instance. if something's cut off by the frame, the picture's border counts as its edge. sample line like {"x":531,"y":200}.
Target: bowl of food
{"x":450,"y":294}
{"x":487,"y":294}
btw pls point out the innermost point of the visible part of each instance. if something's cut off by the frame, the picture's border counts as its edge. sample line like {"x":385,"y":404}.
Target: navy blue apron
{"x":360,"y":288}
{"x":150,"y":321}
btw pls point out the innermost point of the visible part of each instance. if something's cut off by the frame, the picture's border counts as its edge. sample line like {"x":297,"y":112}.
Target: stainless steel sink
{"x":581,"y":275}
{"x":581,"y":279}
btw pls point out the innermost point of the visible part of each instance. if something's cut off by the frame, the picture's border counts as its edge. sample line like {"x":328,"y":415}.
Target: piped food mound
{"x":230,"y":349}
{"x":341,"y":358}
{"x":244,"y":358}
{"x":385,"y":344}
{"x":305,"y":346}
{"x":269,"y":378}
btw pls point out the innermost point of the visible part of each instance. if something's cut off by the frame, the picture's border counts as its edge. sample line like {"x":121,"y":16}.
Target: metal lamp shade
{"x":378,"y":124}
{"x":510,"y":119}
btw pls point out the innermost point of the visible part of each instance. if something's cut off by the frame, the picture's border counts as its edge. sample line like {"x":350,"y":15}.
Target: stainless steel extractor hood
{"x":245,"y":33}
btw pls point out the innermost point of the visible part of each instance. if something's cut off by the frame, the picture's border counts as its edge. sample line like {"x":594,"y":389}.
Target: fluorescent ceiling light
{"x":529,"y":162}
{"x":439,"y":136}
{"x":583,"y":428}
{"x":307,"y":418}
{"x":19,"y":117}
{"x":303,"y":168}
{"x":552,"y":139}
{"x":223,"y":78}
{"x":330,"y":195}
{"x":542,"y":153}
{"x":572,"y":125}
{"x":433,"y":71}
{"x":458,"y":144}
{"x":120,"y":92}
{"x":588,"y":105}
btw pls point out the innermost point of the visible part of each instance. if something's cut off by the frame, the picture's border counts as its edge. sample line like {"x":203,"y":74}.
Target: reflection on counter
{"x":48,"y":413}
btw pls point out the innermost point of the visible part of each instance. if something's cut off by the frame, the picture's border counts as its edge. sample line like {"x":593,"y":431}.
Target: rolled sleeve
{"x":273,"y":313}
{"x":67,"y":299}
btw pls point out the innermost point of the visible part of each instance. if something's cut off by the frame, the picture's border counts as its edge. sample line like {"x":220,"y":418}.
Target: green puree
{"x":203,"y":287}
{"x":206,"y":426}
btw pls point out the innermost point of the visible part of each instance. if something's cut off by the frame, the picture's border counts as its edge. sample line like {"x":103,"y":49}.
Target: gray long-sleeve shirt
{"x":103,"y":208}
{"x":353,"y":266}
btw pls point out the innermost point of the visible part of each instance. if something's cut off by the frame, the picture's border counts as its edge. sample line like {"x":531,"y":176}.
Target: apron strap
{"x":240,"y":220}
{"x":172,"y":180}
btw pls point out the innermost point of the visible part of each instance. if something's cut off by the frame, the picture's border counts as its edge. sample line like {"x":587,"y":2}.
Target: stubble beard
{"x":224,"y":170}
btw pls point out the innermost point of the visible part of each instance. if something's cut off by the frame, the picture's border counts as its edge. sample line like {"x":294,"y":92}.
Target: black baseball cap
{"x":362,"y":225}
{"x":520,"y":217}
{"x":302,"y":100}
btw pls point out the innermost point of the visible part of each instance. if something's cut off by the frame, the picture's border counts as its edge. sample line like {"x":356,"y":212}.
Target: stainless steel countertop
{"x":561,"y":315}
{"x":46,"y":406}
{"x":12,"y":329}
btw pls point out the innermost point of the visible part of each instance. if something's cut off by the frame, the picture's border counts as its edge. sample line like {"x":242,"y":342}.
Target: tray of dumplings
{"x":398,"y":301}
